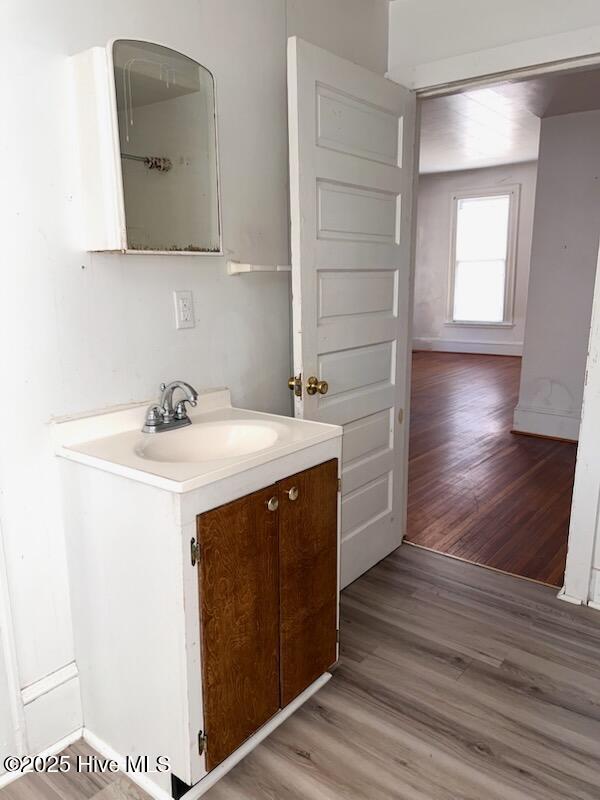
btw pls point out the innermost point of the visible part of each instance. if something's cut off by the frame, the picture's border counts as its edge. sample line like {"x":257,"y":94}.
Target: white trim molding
{"x":543,"y":421}
{"x":527,"y":58}
{"x":139,"y":778}
{"x":55,"y":748}
{"x":9,"y":651}
{"x":212,"y":777}
{"x":585,"y":509}
{"x":594,"y":601}
{"x":52,"y":707}
{"x":594,"y":593}
{"x":458,"y":346}
{"x":483,"y":325}
{"x":48,"y":683}
{"x":567,"y":598}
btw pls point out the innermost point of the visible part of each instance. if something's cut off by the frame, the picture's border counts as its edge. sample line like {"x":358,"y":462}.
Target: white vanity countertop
{"x":113,"y":442}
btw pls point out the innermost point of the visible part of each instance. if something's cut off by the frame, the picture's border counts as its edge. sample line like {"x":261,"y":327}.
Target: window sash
{"x":491,"y":314}
{"x":482,"y":295}
{"x":482,"y":226}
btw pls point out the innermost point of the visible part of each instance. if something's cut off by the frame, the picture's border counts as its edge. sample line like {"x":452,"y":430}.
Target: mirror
{"x":167,"y":139}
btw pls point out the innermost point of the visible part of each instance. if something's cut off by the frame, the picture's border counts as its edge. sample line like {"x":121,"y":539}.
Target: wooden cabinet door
{"x":307,"y":576}
{"x":239,"y":601}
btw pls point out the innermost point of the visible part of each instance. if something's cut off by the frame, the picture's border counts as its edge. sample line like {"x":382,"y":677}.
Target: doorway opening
{"x":507,"y":246}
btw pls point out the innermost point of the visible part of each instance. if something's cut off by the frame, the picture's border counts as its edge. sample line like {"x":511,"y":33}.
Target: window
{"x":483,"y":254}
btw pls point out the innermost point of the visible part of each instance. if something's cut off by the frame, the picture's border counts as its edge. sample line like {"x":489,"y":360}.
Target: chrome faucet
{"x":162,"y":416}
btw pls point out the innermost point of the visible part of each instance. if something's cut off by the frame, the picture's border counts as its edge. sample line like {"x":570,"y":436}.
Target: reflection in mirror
{"x":166,"y":116}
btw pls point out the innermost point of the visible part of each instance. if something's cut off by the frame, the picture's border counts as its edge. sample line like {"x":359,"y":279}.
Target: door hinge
{"x":339,"y":484}
{"x":194,"y":551}
{"x":201,"y":742}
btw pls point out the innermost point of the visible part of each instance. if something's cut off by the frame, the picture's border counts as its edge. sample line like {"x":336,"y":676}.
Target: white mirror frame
{"x":101,"y":178}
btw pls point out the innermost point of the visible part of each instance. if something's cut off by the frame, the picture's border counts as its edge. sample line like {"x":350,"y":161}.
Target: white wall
{"x":80,"y":331}
{"x":353,"y":29}
{"x":436,"y":41}
{"x":561,"y":281}
{"x":434,"y":220}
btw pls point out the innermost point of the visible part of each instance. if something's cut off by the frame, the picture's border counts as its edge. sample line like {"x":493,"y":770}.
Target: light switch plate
{"x":184,"y":309}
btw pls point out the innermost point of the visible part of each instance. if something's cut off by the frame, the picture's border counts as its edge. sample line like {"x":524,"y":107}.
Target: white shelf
{"x":235,"y":268}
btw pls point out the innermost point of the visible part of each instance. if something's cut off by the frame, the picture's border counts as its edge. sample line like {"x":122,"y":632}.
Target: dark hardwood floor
{"x":476,"y":490}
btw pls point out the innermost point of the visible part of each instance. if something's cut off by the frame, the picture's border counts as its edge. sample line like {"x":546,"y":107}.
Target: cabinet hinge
{"x":339,"y":484}
{"x":201,"y":742}
{"x":194,"y":551}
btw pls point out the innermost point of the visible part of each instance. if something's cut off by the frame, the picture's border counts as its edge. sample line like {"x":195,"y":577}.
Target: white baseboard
{"x":209,"y":780}
{"x":101,"y":747}
{"x":458,"y":346}
{"x":546,"y":422}
{"x":147,"y":784}
{"x":9,"y":777}
{"x":594,"y":601}
{"x":139,"y":778}
{"x":567,"y":598}
{"x":55,"y":748}
{"x":51,"y":706}
{"x":223,"y":768}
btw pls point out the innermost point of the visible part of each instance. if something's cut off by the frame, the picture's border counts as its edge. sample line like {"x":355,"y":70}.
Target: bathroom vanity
{"x":204,"y":570}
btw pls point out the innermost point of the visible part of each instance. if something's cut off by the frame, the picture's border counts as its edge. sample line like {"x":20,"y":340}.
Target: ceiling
{"x":500,"y":124}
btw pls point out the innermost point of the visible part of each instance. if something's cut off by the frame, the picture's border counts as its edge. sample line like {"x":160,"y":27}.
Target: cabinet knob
{"x":273,"y":504}
{"x":293,"y":493}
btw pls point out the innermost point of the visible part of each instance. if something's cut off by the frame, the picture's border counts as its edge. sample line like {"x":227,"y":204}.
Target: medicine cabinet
{"x":148,"y":150}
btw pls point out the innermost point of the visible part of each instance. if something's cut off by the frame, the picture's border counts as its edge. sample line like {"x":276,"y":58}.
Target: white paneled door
{"x":351,"y":179}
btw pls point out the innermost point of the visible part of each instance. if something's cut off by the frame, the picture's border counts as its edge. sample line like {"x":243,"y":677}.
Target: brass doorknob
{"x":273,"y":504}
{"x":314,"y":385}
{"x":293,"y":493}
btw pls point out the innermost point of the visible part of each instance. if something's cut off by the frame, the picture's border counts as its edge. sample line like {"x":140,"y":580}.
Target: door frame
{"x":585,"y":509}
{"x":8,"y":649}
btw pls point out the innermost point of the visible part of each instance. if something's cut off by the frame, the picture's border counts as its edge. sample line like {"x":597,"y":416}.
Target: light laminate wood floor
{"x":455,"y":683}
{"x":476,"y":490}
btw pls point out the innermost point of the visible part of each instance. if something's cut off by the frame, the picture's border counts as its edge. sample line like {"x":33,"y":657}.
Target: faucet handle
{"x":154,"y":414}
{"x":154,"y":419}
{"x":180,"y":410}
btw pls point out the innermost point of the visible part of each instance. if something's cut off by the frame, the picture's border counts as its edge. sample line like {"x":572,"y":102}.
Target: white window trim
{"x":514,"y":190}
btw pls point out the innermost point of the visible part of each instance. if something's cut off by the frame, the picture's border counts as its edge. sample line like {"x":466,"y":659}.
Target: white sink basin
{"x":210,"y":441}
{"x":221,"y":442}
